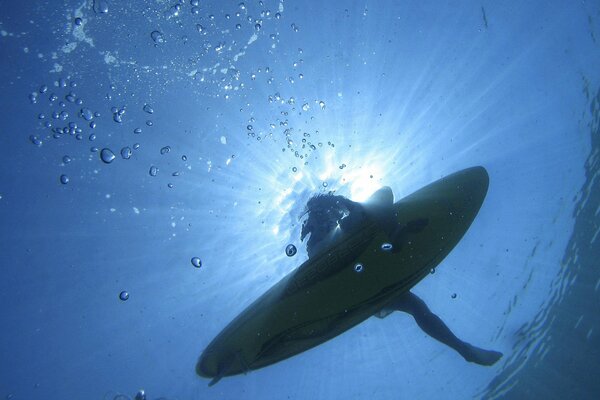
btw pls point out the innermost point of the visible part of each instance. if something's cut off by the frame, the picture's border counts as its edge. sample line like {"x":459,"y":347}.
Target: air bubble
{"x":165,"y":150}
{"x":157,"y":37}
{"x":290,"y":250}
{"x":322,"y":104}
{"x":153,"y":171}
{"x":358,"y":267}
{"x":126,"y":153}
{"x":124,"y":295}
{"x":387,"y":247}
{"x":107,"y":156}
{"x":148,"y":108}
{"x":196,"y":262}
{"x":66,"y":159}
{"x":86,"y":114}
{"x":64,"y":179}
{"x":137,"y":131}
{"x":34,"y":139}
{"x":100,"y":6}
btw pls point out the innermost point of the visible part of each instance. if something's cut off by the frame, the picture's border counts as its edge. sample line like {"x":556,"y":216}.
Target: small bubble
{"x":294,"y":169}
{"x":148,"y":108}
{"x":387,"y":247}
{"x":196,"y":262}
{"x":432,"y":271}
{"x":136,"y":146}
{"x":195,"y":3}
{"x":64,"y":179}
{"x":257,"y":27}
{"x":66,"y":159}
{"x":195,"y":10}
{"x":34,"y":139}
{"x":153,"y":171}
{"x":453,"y":295}
{"x":322,"y":104}
{"x":184,"y":158}
{"x":93,"y":124}
{"x":78,"y":21}
{"x":92,"y":137}
{"x":157,"y":37}
{"x":107,"y":156}
{"x":305,"y":107}
{"x":137,"y":131}
{"x":126,"y":153}
{"x":117,"y":118}
{"x":149,"y":123}
{"x":290,"y":250}
{"x":324,"y":184}
{"x":165,"y":150}
{"x":358,"y":267}
{"x":124,"y":295}
{"x":249,"y":127}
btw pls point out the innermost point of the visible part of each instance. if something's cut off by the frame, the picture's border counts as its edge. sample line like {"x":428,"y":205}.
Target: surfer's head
{"x":324,"y":215}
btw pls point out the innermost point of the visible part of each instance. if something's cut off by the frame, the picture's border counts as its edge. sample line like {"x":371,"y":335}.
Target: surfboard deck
{"x":328,"y":294}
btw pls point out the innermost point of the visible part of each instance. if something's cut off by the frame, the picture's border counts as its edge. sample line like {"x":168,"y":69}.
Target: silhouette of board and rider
{"x":330,"y":217}
{"x":363,"y":259}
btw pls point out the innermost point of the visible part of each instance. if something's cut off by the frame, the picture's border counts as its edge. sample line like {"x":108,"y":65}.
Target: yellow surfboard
{"x":341,"y":287}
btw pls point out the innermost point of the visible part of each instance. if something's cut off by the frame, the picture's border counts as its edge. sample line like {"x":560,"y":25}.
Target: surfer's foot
{"x":480,"y":356}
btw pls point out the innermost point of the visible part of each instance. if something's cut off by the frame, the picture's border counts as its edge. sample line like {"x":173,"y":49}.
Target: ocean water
{"x":138,"y":135}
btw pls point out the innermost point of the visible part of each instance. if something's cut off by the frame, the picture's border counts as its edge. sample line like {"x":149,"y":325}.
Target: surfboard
{"x":341,"y":287}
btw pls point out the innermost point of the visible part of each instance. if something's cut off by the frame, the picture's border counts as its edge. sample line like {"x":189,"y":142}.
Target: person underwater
{"x":330,"y":217}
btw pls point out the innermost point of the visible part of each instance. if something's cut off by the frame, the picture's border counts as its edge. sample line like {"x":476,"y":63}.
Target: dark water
{"x":139,"y":135}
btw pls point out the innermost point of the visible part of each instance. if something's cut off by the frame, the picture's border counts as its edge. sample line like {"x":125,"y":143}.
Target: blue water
{"x":239,"y":127}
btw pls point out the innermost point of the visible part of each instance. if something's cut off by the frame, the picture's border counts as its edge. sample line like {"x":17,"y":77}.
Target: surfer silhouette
{"x":330,"y":217}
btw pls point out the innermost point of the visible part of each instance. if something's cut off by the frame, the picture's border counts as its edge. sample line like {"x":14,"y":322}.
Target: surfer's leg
{"x":437,"y":329}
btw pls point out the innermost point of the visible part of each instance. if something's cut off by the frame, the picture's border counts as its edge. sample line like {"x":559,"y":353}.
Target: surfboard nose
{"x":474,"y":182}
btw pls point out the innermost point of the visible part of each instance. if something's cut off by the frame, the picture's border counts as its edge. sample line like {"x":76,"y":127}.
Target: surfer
{"x":330,"y":217}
